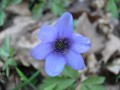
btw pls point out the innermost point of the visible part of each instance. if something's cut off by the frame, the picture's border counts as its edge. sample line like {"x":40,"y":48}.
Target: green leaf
{"x":2,"y":18}
{"x":61,"y":83}
{"x":3,"y":4}
{"x":93,"y":83}
{"x":117,"y":1}
{"x":5,"y":50}
{"x":75,"y":24}
{"x":21,"y":74}
{"x":13,"y":2}
{"x":54,"y":80}
{"x":12,"y":62}
{"x":94,"y":80}
{"x":12,"y":52}
{"x":42,"y":86}
{"x":47,"y":87}
{"x":28,"y":81}
{"x":57,"y":8}
{"x":112,"y":8}
{"x":64,"y":84}
{"x":92,"y":87}
{"x":51,"y":80}
{"x":83,"y":87}
{"x":37,"y":11}
{"x":71,"y":87}
{"x":3,"y":53}
{"x":7,"y":72}
{"x":50,"y":87}
{"x":7,"y":44}
{"x":70,"y":72}
{"x":96,"y":87}
{"x":9,"y":62}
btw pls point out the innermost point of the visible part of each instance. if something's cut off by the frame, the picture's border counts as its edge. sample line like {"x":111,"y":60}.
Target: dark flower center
{"x":61,"y":45}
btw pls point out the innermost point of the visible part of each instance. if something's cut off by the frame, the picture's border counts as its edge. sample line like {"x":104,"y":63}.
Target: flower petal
{"x":41,"y":51}
{"x":75,"y":60}
{"x":54,"y":64}
{"x":48,"y":33}
{"x":81,"y":44}
{"x":64,"y":25}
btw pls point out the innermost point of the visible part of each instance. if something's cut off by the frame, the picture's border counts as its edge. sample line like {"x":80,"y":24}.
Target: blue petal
{"x":65,"y":25}
{"x":54,"y":64}
{"x":75,"y":60}
{"x":41,"y":51}
{"x":80,"y":44}
{"x":48,"y":33}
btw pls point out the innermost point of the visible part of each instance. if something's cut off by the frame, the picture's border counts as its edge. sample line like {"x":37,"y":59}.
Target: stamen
{"x":61,"y":45}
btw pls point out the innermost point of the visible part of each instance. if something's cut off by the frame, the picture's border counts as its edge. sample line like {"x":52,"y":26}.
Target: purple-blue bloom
{"x":60,"y":46}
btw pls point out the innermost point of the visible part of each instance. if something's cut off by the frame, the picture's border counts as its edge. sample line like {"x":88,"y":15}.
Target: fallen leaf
{"x":20,"y":9}
{"x":114,"y":67}
{"x":92,"y":63}
{"x":88,"y":29}
{"x":111,"y":46}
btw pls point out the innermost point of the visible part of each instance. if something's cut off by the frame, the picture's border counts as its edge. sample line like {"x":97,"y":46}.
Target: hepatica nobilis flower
{"x":60,"y":46}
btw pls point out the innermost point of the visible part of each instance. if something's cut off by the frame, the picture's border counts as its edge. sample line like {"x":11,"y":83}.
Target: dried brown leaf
{"x":111,"y":47}
{"x":114,"y":67}
{"x":88,"y":29}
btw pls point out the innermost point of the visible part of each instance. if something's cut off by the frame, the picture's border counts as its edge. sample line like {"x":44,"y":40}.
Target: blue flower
{"x":60,"y":46}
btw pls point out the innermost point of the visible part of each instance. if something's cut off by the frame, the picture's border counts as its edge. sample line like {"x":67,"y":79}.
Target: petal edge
{"x":65,"y":25}
{"x":80,"y":44}
{"x":47,"y":33}
{"x":40,"y":51}
{"x":54,"y":64}
{"x":75,"y":60}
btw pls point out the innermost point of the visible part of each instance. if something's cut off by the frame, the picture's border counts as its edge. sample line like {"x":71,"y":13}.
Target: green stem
{"x":19,"y":86}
